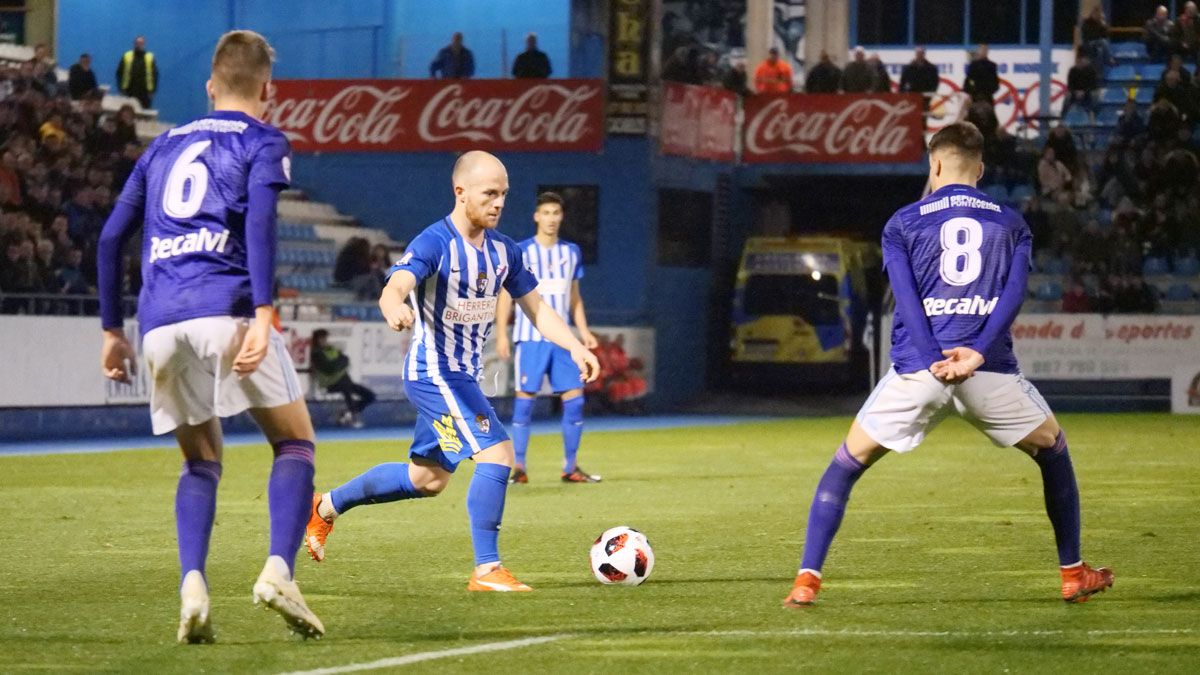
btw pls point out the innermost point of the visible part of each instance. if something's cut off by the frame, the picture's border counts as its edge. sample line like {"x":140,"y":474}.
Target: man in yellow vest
{"x":137,"y":74}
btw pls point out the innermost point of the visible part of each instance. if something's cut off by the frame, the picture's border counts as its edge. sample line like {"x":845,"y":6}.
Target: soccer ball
{"x":622,"y":555}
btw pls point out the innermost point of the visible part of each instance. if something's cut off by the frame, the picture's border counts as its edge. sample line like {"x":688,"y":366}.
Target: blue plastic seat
{"x":1151,"y":71}
{"x":1152,"y":267}
{"x":1114,"y":95}
{"x":1179,"y":291}
{"x":1144,"y":95}
{"x":1120,"y":73}
{"x":1076,"y":117}
{"x":1108,"y":117}
{"x":1049,"y":291}
{"x":1021,"y":192}
{"x":996,"y":191}
{"x":1187,"y":267}
{"x":1056,"y":266}
{"x":1128,"y":50}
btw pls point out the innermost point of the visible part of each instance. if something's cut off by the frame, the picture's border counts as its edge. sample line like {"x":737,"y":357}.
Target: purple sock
{"x":289,"y":494}
{"x":195,"y":507}
{"x":828,"y":506}
{"x":1062,"y":498}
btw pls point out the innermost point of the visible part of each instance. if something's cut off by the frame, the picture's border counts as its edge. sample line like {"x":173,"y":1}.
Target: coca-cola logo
{"x":413,"y":115}
{"x":355,"y":114}
{"x":864,"y":127}
{"x":542,"y":113}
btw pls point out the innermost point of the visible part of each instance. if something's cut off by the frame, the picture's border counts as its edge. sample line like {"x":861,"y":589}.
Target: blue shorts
{"x":454,"y":420}
{"x":535,"y":360}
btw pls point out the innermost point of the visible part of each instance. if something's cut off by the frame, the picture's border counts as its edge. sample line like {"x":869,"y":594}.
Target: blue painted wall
{"x":312,"y":38}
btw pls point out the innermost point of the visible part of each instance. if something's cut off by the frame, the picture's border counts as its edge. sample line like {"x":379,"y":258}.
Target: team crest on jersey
{"x":481,"y":282}
{"x":484,"y":424}
{"x":448,"y":439}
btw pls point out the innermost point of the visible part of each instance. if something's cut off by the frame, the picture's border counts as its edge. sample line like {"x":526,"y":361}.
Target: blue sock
{"x":289,"y":497}
{"x":522,"y":415}
{"x":1062,"y":498}
{"x":195,"y":508}
{"x":485,"y":509}
{"x":381,"y":483}
{"x":828,"y":507}
{"x":572,"y":430}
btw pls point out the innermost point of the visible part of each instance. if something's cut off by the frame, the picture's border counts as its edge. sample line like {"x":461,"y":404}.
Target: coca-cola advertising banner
{"x":815,"y":128}
{"x":439,"y":115}
{"x":698,"y":122}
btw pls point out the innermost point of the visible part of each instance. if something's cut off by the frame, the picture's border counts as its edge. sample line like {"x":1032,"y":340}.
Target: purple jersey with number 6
{"x":961,"y":246}
{"x":193,"y":184}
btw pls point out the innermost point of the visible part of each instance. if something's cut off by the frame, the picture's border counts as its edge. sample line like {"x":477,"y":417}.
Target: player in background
{"x":558,"y":267}
{"x":453,"y":272}
{"x":958,"y":264}
{"x":206,"y":192}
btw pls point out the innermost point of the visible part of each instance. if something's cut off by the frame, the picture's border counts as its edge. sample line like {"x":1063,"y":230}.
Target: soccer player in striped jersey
{"x":958,"y":264}
{"x":453,"y":273}
{"x":558,"y":266}
{"x":207,"y":192}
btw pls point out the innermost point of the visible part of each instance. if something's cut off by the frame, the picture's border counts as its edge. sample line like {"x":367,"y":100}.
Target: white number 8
{"x":961,"y":261}
{"x":186,"y":170}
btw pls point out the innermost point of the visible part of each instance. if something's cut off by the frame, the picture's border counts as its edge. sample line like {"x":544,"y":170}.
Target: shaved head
{"x":471,"y":165}
{"x":480,"y":187}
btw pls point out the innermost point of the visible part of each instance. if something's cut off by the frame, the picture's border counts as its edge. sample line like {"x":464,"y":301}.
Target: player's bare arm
{"x":117,"y":357}
{"x":254,"y":345}
{"x":393,"y":300}
{"x":554,"y":329}
{"x":579,"y":316}
{"x":504,"y":306}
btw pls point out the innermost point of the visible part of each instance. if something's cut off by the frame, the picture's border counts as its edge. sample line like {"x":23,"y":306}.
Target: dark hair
{"x":962,"y":138}
{"x":549,"y":198}
{"x":319,"y":334}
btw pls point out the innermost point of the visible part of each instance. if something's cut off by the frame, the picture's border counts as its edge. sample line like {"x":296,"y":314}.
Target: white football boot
{"x":277,"y":591}
{"x":194,"y":624}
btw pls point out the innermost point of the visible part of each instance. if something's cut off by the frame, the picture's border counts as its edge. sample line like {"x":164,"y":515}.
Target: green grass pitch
{"x":945,"y":561}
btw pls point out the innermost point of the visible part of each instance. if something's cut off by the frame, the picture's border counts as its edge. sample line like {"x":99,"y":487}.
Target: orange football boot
{"x":804,"y":591}
{"x":499,"y":579}
{"x":519,"y":476}
{"x":317,"y":531}
{"x":1082,"y":582}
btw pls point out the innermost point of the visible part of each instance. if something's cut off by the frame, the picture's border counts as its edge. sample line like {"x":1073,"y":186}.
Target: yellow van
{"x":801,"y":300}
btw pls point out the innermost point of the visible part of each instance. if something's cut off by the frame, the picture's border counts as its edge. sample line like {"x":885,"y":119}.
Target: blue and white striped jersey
{"x":556,"y":269}
{"x":455,"y":297}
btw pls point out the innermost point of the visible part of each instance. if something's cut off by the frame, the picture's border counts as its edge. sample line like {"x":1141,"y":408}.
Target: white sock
{"x":325,"y":508}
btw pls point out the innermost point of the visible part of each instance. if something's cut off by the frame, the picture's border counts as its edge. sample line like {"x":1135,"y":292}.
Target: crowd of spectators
{"x":1103,"y":215}
{"x":1164,"y":37}
{"x":62,"y":162}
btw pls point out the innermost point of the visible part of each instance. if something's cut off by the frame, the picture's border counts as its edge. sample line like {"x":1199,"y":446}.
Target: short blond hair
{"x":242,"y":62}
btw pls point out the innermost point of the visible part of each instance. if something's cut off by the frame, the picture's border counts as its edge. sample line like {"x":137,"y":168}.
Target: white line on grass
{"x":821,"y":632}
{"x":430,"y":656}
{"x":799,"y":632}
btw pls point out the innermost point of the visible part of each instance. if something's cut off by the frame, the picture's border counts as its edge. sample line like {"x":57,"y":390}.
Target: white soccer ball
{"x":622,"y":555}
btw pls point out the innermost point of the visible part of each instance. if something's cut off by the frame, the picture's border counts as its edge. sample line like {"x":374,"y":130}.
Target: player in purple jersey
{"x":558,"y":266}
{"x":205,"y":194}
{"x":958,"y":264}
{"x":452,"y":274}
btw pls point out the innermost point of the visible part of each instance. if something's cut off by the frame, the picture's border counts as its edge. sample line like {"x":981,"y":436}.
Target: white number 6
{"x":186,"y":170}
{"x":961,"y":261}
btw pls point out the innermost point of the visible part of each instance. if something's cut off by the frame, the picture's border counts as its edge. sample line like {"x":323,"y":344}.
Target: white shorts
{"x":190,"y":365}
{"x":903,"y":408}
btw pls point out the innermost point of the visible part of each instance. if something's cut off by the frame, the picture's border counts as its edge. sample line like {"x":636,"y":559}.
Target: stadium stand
{"x":63,"y":163}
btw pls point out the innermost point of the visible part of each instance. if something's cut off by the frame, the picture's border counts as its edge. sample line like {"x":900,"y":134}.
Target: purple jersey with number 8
{"x":961,"y":246}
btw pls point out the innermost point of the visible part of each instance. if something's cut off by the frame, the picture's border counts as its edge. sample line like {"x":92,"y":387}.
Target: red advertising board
{"x":698,"y":122}
{"x":833,"y":128}
{"x":439,"y":115}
